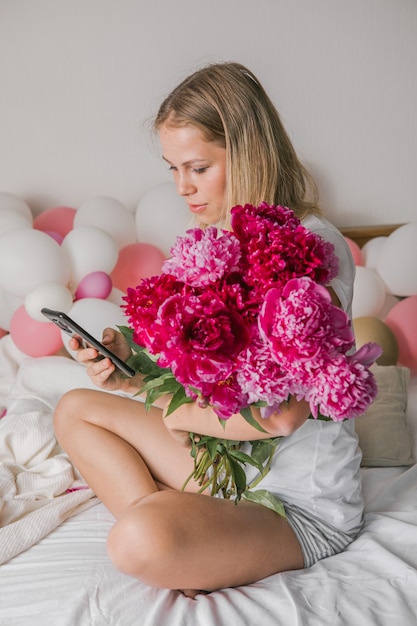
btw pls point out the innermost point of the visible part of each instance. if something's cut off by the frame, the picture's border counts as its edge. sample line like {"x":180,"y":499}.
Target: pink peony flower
{"x":343,"y":388}
{"x":301,"y":323}
{"x":202,"y":257}
{"x":260,"y":377}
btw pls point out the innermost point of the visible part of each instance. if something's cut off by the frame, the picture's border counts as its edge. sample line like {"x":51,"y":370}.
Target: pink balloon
{"x":355,"y":251}
{"x":94,"y":285}
{"x":401,"y":319}
{"x":59,"y":220}
{"x":136,"y":261}
{"x":32,"y":337}
{"x":58,"y":238}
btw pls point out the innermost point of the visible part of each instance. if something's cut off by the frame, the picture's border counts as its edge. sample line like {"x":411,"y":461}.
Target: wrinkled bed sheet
{"x":64,"y":578}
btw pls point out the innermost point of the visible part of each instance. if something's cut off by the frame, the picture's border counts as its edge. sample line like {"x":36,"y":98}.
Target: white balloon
{"x":161,"y":216}
{"x":371,"y":251}
{"x":397,"y":262}
{"x":29,"y":258}
{"x":368,"y":293}
{"x":89,"y":249}
{"x":116,"y":296}
{"x":94,"y":315}
{"x":111,"y":216}
{"x":8,"y":306}
{"x":51,"y":295}
{"x":12,"y":220}
{"x":14,"y":203}
{"x":389,"y":302}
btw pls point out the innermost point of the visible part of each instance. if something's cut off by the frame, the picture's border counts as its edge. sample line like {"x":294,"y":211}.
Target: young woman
{"x":225,"y":144}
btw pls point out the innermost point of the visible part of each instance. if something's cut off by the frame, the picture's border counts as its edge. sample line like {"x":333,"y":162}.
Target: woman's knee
{"x":142,"y":543}
{"x":68,"y":409}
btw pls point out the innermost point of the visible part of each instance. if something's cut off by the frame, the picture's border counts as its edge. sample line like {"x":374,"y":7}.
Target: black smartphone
{"x":65,"y":323}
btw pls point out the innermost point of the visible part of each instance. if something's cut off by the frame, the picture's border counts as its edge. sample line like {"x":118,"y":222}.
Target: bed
{"x":55,"y":570}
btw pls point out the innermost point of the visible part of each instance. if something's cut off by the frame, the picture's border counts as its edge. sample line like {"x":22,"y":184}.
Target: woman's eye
{"x":172,"y":168}
{"x":199,"y":170}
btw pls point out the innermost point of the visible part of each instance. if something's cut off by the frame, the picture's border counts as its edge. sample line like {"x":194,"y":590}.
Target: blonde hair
{"x":228,"y":105}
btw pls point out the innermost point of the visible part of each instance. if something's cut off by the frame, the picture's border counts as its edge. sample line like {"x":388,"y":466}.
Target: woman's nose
{"x":185,"y":186}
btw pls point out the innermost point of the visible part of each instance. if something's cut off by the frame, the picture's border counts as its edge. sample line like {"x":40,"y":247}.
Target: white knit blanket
{"x":39,"y":486}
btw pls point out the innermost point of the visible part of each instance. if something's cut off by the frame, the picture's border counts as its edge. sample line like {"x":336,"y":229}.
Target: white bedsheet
{"x":66,"y":578}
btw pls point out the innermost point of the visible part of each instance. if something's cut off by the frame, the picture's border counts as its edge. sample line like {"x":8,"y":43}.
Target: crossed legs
{"x":163,"y":536}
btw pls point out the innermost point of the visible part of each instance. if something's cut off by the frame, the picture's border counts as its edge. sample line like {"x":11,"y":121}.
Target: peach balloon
{"x":355,"y":251}
{"x":135,"y":262}
{"x":402,"y":321}
{"x":58,"y":220}
{"x":375,"y":330}
{"x":32,"y":337}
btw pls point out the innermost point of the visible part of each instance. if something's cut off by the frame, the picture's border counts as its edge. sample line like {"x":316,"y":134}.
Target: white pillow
{"x":384,"y":437}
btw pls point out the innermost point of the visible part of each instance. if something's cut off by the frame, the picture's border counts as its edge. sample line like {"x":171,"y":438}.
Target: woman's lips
{"x":197,"y":208}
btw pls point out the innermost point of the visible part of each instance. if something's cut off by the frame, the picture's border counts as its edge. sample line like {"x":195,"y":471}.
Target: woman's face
{"x":199,"y":170}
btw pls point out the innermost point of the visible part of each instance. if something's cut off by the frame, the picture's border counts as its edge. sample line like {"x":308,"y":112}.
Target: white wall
{"x":79,"y":78}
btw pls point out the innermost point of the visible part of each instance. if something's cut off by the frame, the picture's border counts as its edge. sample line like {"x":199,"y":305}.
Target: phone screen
{"x":69,"y":326}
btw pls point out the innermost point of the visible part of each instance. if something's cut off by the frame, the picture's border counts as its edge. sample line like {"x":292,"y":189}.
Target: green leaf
{"x":263,"y":448}
{"x":265,"y":498}
{"x":242,"y":457}
{"x":127,"y":333}
{"x":142,"y":363}
{"x":151,"y":382}
{"x":247,"y":414}
{"x":151,"y":397}
{"x":212,"y":444}
{"x":238,"y":476}
{"x":179,"y":397}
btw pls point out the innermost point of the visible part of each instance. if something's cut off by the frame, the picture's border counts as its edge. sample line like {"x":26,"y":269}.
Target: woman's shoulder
{"x":343,"y":283}
{"x":320,"y":225}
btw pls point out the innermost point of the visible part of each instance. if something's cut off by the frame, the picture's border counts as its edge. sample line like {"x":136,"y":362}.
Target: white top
{"x":318,"y":466}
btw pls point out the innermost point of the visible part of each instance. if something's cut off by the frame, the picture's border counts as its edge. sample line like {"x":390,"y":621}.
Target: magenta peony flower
{"x":200,"y":337}
{"x":277,"y":247}
{"x":250,"y":222}
{"x":143,"y":302}
{"x":202,"y":257}
{"x":226,"y":397}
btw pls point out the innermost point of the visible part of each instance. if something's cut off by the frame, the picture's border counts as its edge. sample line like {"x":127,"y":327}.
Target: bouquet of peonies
{"x":242,"y":318}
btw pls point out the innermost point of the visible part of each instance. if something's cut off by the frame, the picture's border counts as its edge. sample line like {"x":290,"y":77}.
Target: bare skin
{"x":137,"y":462}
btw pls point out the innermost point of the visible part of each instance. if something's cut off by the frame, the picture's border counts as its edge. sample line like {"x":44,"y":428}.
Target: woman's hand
{"x":102,"y":371}
{"x":290,"y":418}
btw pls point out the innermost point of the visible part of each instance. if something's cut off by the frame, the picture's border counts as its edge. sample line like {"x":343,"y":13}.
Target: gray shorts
{"x":317,"y":538}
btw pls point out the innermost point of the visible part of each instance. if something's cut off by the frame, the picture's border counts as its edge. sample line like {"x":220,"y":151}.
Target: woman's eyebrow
{"x":189,"y":162}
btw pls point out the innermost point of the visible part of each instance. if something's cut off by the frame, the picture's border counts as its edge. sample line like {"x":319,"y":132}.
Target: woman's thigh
{"x":169,"y":463}
{"x":188,"y":541}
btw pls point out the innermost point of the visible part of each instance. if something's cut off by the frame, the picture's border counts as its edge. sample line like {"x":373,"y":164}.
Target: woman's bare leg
{"x":119,"y":449}
{"x":166,"y":538}
{"x":190,"y":541}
